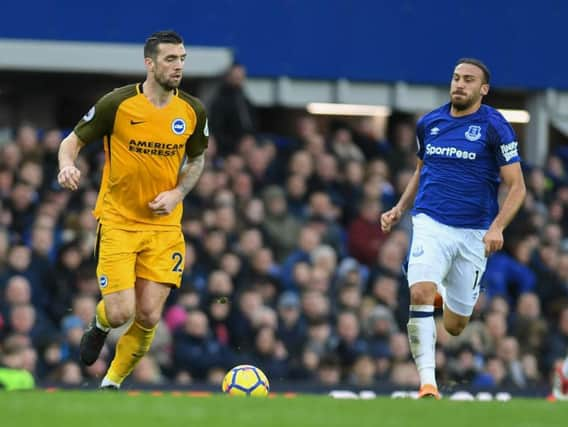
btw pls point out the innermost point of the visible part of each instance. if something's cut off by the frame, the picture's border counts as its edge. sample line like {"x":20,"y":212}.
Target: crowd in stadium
{"x":286,"y":267}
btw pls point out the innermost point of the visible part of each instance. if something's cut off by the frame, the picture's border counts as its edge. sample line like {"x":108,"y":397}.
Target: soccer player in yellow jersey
{"x":155,"y":137}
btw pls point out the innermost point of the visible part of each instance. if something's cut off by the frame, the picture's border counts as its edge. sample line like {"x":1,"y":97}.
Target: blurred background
{"x":312,"y":107}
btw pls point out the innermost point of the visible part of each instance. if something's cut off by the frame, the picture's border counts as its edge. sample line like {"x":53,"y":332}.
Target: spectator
{"x":232,"y":113}
{"x":23,"y":204}
{"x":17,"y":292}
{"x":18,"y":353}
{"x":402,"y":154}
{"x":147,"y":372}
{"x":218,"y":310}
{"x":326,"y":179}
{"x":404,"y":374}
{"x":496,"y":374}
{"x":324,"y":259}
{"x":308,"y":240}
{"x":352,"y":190}
{"x":343,"y":146}
{"x":463,"y":369}
{"x":4,"y":245}
{"x":363,"y":372}
{"x":315,"y":306}
{"x":350,"y":344}
{"x":508,"y":351}
{"x":380,"y":327}
{"x":323,"y":215}
{"x":296,"y":195}
{"x":188,"y":299}
{"x":389,"y":260}
{"x":306,"y":368}
{"x":241,"y":326}
{"x":281,"y":227}
{"x":509,"y":276}
{"x":269,"y":354}
{"x":364,"y":237}
{"x":400,"y":351}
{"x":25,"y":320}
{"x":291,"y":326}
{"x":70,"y":373}
{"x":329,"y":371}
{"x":351,"y":273}
{"x":528,"y":326}
{"x":531,"y":373}
{"x":385,"y":290}
{"x":11,"y":156}
{"x":195,"y":351}
{"x":349,"y":298}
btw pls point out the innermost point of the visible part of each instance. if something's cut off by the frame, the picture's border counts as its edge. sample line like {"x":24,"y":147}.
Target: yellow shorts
{"x":124,"y":255}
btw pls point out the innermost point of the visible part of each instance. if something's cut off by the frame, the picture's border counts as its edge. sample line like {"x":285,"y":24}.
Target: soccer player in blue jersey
{"x":465,"y":149}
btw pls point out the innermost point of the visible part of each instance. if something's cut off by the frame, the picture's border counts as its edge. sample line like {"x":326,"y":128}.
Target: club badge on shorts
{"x":103,"y":281}
{"x":418,"y":251}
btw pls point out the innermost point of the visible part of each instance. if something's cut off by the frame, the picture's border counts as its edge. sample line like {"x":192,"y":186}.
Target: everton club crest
{"x":473,"y":133}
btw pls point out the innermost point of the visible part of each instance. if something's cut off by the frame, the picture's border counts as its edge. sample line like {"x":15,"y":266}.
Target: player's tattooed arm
{"x":190,"y":173}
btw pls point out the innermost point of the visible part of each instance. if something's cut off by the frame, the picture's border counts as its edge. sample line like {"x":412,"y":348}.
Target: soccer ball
{"x":246,"y":380}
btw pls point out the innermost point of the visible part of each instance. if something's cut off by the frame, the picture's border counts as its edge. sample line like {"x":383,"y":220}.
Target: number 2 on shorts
{"x":178,"y":258}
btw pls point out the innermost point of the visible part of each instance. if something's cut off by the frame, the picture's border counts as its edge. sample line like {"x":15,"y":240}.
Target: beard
{"x":464,"y":102}
{"x":167,"y":83}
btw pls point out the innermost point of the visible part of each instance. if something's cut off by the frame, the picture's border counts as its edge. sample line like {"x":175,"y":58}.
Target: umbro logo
{"x":136,"y":122}
{"x":434,"y":131}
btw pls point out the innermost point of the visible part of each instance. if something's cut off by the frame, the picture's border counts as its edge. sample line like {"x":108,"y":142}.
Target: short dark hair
{"x":479,"y":64}
{"x":152,"y":42}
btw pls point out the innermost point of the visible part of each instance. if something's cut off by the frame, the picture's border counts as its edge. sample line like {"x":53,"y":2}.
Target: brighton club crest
{"x":473,"y":133}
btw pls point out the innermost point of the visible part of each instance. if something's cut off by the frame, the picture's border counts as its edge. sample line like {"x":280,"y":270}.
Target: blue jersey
{"x":462,"y":159}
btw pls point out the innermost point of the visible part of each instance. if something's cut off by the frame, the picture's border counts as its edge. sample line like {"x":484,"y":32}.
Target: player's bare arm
{"x":190,"y":173}
{"x":165,"y":202}
{"x":69,"y":175}
{"x":513,"y":179}
{"x":392,"y":216}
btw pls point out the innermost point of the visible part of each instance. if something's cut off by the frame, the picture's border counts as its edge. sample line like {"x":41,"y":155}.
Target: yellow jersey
{"x":145,"y":147}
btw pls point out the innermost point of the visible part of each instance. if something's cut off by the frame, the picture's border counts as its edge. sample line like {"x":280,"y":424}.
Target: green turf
{"x":102,"y":409}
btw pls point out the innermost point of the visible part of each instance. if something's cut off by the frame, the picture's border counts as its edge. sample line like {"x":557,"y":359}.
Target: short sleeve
{"x":420,"y":138}
{"x":98,"y":121}
{"x":198,"y":141}
{"x":504,"y":140}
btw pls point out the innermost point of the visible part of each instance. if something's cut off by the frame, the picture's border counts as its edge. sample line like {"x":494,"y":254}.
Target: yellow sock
{"x":101,"y":315}
{"x":130,"y":348}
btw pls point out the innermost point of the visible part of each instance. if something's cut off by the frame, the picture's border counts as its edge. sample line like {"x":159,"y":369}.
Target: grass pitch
{"x":121,"y":409}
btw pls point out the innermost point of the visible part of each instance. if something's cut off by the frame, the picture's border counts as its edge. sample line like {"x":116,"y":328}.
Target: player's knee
{"x":148,"y":318}
{"x":454,"y":328}
{"x":118,"y":316}
{"x":422,"y":294}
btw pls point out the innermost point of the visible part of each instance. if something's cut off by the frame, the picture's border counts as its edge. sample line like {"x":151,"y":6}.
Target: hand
{"x":165,"y":202}
{"x":493,"y":240}
{"x":390,"y":218}
{"x":68,"y":177}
